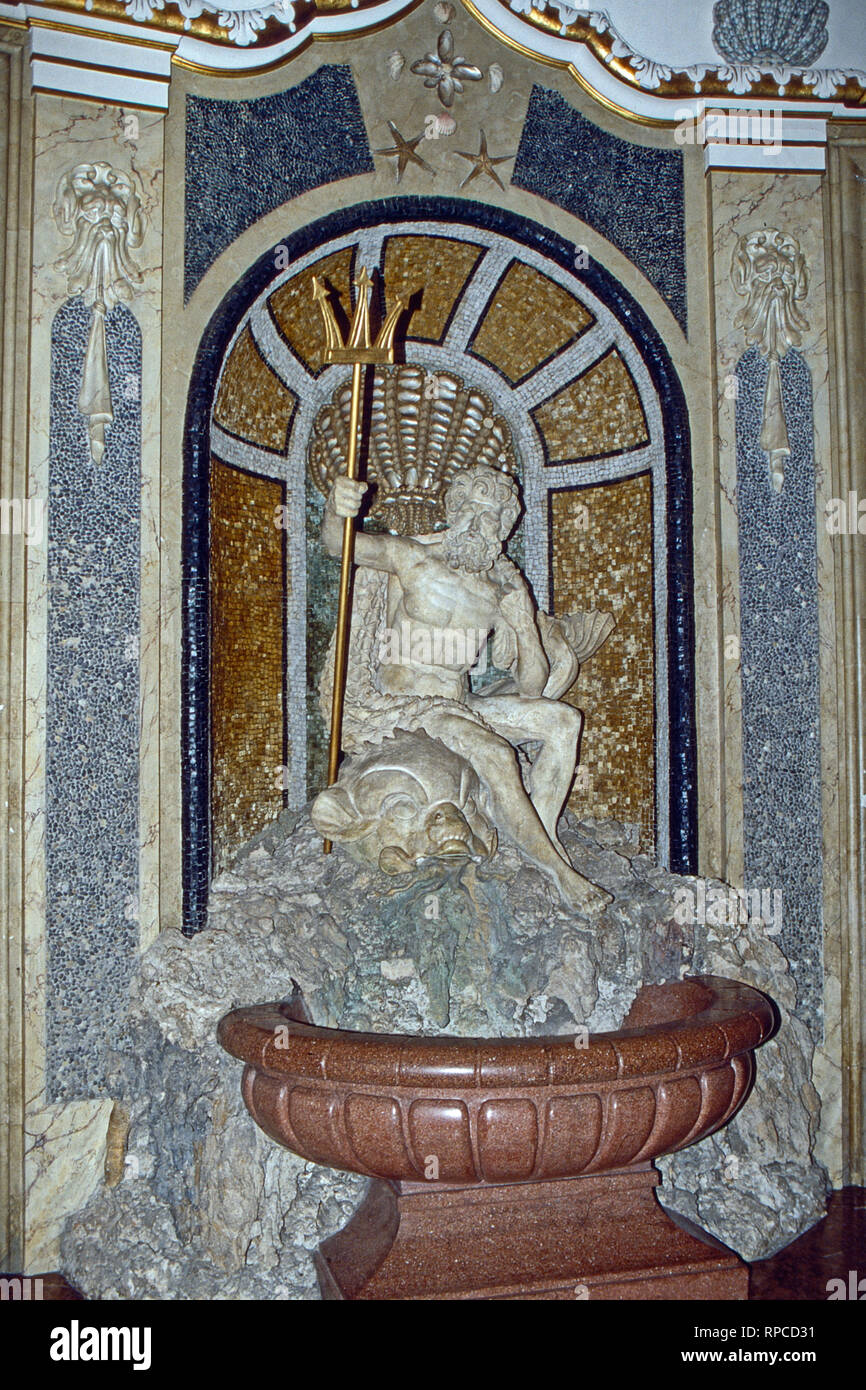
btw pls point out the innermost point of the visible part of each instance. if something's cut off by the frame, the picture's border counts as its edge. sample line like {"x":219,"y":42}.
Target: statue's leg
{"x":495,"y":762}
{"x":556,"y":727}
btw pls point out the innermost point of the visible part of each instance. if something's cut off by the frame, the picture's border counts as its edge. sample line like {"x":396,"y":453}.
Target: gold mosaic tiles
{"x":252,"y":403}
{"x":601,"y":541}
{"x":247,"y":597}
{"x":298,"y":316}
{"x":597,"y":414}
{"x":436,"y":266}
{"x":529,"y":319}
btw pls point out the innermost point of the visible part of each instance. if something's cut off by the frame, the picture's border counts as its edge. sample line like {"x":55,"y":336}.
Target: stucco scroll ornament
{"x":99,"y":207}
{"x":770,"y":270}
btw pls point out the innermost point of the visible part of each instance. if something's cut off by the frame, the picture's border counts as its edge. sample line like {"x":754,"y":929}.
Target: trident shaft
{"x":361,"y":352}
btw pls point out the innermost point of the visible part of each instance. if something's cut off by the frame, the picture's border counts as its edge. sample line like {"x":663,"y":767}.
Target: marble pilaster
{"x":68,"y":133}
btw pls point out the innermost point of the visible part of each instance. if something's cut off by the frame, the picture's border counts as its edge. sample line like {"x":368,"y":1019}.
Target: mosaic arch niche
{"x":599,"y":431}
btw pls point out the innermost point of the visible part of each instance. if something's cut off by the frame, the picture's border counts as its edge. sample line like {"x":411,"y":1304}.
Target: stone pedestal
{"x":601,"y":1237}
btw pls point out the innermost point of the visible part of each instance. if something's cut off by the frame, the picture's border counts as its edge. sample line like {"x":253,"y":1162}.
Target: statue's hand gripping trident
{"x":361,"y":352}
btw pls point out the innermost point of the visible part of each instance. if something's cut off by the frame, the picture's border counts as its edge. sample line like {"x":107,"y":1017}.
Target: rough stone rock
{"x":210,"y":1208}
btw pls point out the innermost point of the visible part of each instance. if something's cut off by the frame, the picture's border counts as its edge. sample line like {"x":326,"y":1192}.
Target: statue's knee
{"x":568,"y":721}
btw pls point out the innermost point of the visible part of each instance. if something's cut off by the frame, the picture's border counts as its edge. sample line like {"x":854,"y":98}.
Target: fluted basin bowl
{"x":479,"y":1111}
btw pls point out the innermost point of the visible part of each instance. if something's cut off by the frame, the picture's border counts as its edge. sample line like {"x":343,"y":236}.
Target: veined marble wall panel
{"x":66,"y":1135}
{"x":742,"y":203}
{"x":15,"y":234}
{"x":843,"y":1064}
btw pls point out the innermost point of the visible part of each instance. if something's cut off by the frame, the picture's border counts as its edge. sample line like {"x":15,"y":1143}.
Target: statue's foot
{"x":580,"y":895}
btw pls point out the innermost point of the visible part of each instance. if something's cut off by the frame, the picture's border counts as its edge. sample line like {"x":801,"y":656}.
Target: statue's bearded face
{"x":481,"y":507}
{"x":475,"y":535}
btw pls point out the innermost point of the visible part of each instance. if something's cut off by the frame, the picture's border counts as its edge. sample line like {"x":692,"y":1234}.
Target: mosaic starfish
{"x":483,"y":164}
{"x":404,"y":152}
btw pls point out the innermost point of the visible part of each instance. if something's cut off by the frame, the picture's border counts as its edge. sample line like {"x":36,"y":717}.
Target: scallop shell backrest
{"x":423,"y":427}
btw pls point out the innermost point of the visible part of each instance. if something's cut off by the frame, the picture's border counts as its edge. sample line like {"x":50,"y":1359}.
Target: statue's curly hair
{"x":491,"y":485}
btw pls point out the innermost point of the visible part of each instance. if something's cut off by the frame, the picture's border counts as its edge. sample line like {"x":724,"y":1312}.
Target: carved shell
{"x":770,"y":31}
{"x":585,"y":632}
{"x":424,"y":427}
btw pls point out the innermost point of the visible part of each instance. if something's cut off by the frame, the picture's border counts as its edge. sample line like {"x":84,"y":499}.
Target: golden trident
{"x":361,"y":352}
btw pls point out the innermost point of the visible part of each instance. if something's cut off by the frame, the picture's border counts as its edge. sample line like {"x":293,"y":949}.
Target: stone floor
{"x":831,"y":1250}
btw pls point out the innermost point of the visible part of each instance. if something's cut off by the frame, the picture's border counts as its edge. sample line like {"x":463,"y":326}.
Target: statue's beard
{"x":468,"y":551}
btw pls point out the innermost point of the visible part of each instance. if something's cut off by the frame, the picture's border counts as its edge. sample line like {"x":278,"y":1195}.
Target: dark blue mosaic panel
{"x":632,"y":195}
{"x":92,"y":720}
{"x":245,"y":158}
{"x":779,"y":656}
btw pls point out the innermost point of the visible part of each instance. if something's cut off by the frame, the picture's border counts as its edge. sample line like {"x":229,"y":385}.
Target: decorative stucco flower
{"x":445,"y":72}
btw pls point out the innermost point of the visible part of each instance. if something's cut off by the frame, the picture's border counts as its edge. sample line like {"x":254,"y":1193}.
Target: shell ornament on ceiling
{"x":445,"y":70}
{"x":771,"y":31}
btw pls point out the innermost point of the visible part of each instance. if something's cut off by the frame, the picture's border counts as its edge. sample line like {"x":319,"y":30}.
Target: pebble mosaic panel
{"x":253,"y":403}
{"x":595,"y":416}
{"x":529,"y":320}
{"x":299,"y":318}
{"x":248,"y":594}
{"x":245,"y":158}
{"x":432,"y":272}
{"x":602,"y":557}
{"x":632,"y":194}
{"x":782,"y":836}
{"x":92,"y":706}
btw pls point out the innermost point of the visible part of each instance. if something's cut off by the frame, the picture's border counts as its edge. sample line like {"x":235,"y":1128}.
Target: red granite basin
{"x":478,"y":1111}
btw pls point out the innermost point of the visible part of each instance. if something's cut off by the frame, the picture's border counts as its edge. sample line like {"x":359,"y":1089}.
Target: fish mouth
{"x":454,"y":848}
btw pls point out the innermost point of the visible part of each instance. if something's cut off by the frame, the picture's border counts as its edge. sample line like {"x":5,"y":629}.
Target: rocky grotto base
{"x":199,"y":1204}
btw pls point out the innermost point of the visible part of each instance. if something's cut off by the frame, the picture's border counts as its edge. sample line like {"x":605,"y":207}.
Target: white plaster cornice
{"x":104,"y":48}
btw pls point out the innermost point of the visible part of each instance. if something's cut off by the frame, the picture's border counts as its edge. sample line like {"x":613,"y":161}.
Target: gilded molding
{"x":215,"y":22}
{"x":255,"y":27}
{"x":594,"y":30}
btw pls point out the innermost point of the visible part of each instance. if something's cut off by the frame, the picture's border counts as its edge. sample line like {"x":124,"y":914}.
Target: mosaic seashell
{"x":495,"y":77}
{"x":396,"y":63}
{"x":444,"y":12}
{"x":770,"y":31}
{"x":424,"y":427}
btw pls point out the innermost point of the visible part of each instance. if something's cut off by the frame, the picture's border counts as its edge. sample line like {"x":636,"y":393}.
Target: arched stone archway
{"x":599,"y":425}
